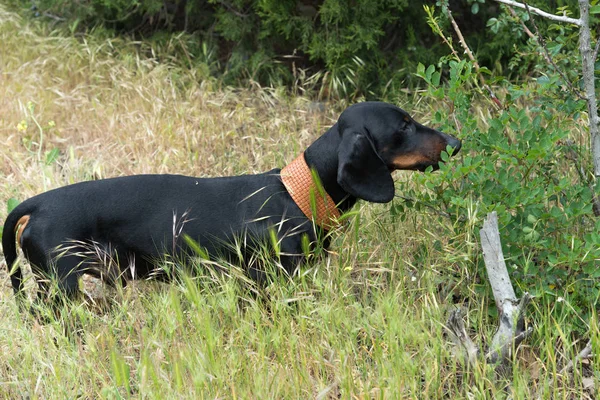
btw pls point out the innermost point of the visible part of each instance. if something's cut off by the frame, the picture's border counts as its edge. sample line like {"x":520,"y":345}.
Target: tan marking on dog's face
{"x":409,"y":161}
{"x":21,"y":224}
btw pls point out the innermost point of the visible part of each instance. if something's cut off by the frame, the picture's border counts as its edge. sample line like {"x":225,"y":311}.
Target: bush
{"x":522,"y":162}
{"x":366,"y":49}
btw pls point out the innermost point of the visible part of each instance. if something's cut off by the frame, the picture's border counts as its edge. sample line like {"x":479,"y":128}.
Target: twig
{"x":542,"y":13}
{"x":467,"y":50}
{"x":461,"y":39}
{"x":583,"y":355}
{"x":525,"y":28}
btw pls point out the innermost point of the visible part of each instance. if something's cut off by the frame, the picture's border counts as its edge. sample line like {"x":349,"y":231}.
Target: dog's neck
{"x":298,"y":178}
{"x":322,"y":156}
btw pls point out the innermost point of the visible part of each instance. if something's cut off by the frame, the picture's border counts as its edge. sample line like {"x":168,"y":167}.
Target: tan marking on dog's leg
{"x":21,"y":224}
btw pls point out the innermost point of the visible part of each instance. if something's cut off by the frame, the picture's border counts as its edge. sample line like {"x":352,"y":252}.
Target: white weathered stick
{"x":494,"y":261}
{"x":510,"y":329}
{"x":542,"y":13}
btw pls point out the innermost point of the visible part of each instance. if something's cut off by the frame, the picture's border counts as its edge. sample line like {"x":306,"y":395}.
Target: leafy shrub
{"x":522,"y":162}
{"x":364,"y":48}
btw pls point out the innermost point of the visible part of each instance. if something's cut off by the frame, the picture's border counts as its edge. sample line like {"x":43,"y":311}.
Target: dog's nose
{"x":455,"y":144}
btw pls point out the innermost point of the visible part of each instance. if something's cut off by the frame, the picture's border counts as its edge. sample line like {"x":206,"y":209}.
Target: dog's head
{"x":378,"y":138}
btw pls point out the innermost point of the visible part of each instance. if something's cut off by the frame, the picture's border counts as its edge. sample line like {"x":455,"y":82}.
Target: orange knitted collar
{"x":298,"y":180}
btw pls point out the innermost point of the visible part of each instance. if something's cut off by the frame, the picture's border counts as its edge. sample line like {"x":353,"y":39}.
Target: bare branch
{"x":541,"y":13}
{"x":461,"y":39}
{"x":467,"y":50}
{"x":525,"y":28}
{"x":583,"y":355}
{"x":494,"y":261}
{"x":511,"y":328}
{"x":511,"y":331}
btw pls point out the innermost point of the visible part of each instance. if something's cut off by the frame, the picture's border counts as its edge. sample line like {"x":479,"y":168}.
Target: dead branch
{"x":583,"y":355}
{"x":510,"y":329}
{"x":510,"y":332}
{"x":494,"y":261}
{"x":461,"y":39}
{"x":541,"y":13}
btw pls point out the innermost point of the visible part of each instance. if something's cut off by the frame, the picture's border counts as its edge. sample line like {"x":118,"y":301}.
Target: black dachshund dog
{"x":140,"y":219}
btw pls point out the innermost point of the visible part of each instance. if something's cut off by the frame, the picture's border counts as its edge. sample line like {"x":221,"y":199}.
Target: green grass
{"x":365,"y":322}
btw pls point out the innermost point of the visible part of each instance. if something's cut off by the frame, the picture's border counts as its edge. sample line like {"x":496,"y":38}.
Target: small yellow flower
{"x":51,"y":124}
{"x":22,"y":126}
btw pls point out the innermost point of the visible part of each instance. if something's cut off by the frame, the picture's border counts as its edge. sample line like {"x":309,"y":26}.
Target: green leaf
{"x":435,"y":80}
{"x":11,"y":204}
{"x":543,"y":80}
{"x":475,"y":8}
{"x":429,"y":72}
{"x":595,"y":9}
{"x":52,"y":156}
{"x":421,"y":70}
{"x":444,"y":156}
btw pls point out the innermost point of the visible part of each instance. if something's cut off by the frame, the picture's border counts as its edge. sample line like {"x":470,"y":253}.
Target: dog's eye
{"x":406,"y":121}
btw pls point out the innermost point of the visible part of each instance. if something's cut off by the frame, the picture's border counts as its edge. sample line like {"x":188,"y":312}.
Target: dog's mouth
{"x":419,"y":165}
{"x":423,"y":167}
{"x":419,"y":161}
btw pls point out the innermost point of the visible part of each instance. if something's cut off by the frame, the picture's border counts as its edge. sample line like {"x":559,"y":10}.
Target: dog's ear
{"x":361,"y":172}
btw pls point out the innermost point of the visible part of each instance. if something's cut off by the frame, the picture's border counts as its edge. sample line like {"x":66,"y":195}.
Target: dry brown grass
{"x":115,"y":113}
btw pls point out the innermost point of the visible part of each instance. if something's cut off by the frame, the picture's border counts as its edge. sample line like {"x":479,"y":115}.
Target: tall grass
{"x":365,"y":322}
